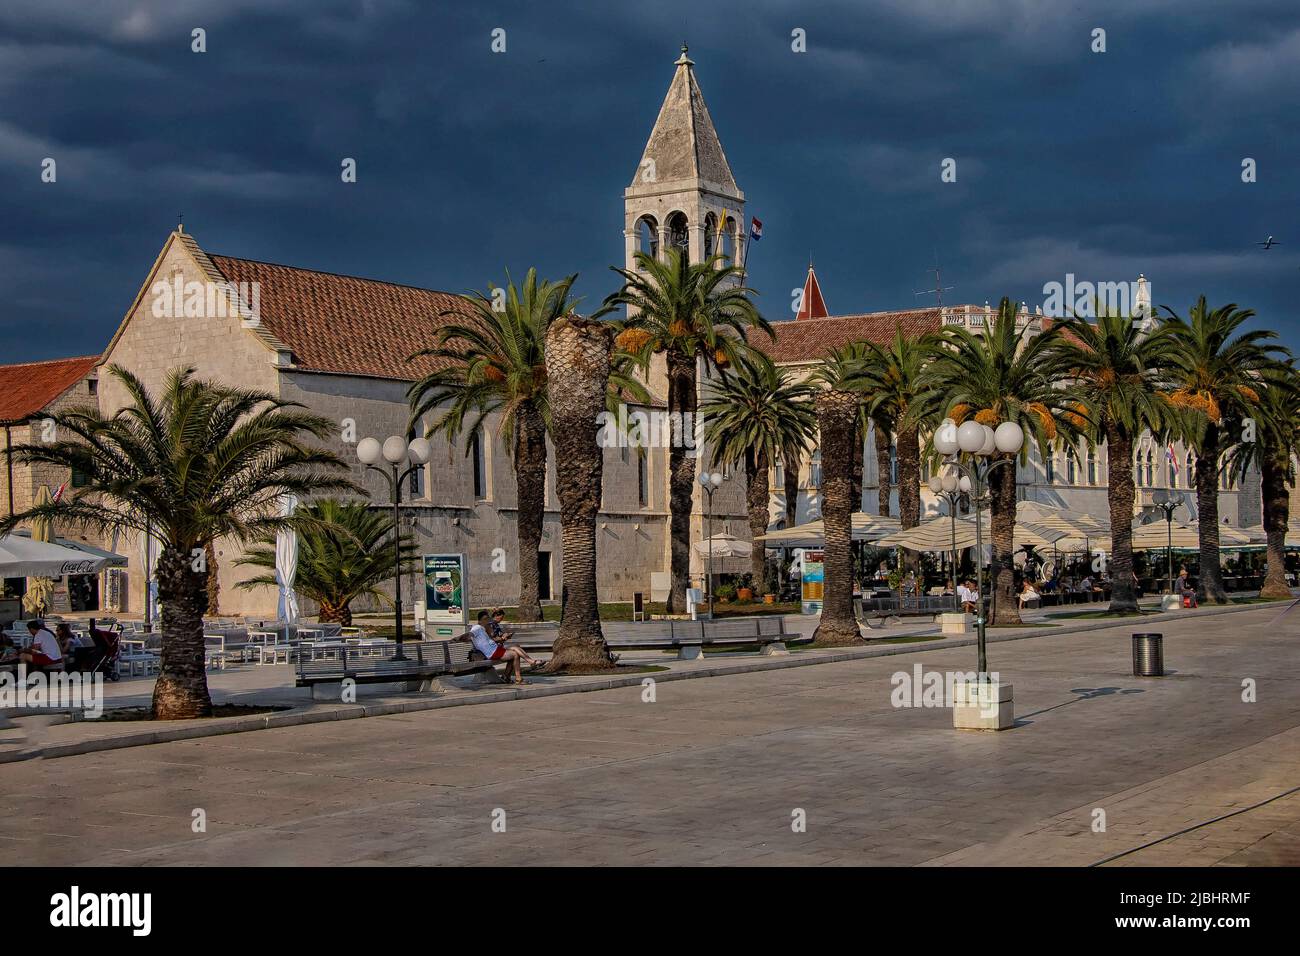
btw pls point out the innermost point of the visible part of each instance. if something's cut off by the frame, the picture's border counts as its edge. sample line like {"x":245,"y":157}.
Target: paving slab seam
{"x":313,"y":714}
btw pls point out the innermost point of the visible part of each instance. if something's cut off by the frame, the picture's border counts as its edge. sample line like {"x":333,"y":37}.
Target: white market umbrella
{"x":21,"y":557}
{"x":723,"y":546}
{"x":936,"y":534}
{"x":812,"y":534}
{"x":1186,"y":537}
{"x":286,"y":566}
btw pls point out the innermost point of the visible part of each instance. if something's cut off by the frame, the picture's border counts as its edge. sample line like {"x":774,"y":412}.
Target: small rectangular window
{"x":417,"y":483}
{"x":480,"y":465}
{"x":642,"y":479}
{"x":79,"y":479}
{"x":93,"y":386}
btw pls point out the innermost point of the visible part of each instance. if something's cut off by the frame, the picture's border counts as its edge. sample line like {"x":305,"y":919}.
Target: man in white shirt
{"x":44,"y":650}
{"x":497,"y":651}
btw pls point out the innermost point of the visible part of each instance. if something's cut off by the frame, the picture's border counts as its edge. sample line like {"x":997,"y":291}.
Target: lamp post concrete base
{"x":954,"y":623}
{"x":982,"y":705}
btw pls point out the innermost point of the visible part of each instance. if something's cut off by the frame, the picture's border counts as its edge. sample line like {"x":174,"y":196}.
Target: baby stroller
{"x":108,"y":646}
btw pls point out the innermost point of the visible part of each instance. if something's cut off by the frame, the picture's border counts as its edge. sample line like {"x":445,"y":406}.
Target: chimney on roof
{"x":811,"y":303}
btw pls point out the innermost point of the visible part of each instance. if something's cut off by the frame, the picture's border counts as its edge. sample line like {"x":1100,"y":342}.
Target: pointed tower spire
{"x":812,"y":305}
{"x":683,"y":144}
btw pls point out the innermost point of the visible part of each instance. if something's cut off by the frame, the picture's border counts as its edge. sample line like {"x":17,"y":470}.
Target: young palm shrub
{"x":345,"y":552}
{"x":893,"y":384}
{"x":754,"y":411}
{"x":1214,"y":370}
{"x":1274,"y":450}
{"x":199,"y":462}
{"x":578,"y":361}
{"x":689,"y":312}
{"x":1115,"y":371}
{"x":494,"y":362}
{"x":838,"y":406}
{"x":1002,"y":376}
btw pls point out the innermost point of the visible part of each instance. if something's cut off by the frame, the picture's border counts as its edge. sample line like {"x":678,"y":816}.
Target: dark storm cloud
{"x":1103,"y":165}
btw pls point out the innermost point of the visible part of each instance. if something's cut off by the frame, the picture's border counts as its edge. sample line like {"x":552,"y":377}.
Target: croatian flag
{"x":1173,"y":459}
{"x":59,"y":494}
{"x":755,"y":228}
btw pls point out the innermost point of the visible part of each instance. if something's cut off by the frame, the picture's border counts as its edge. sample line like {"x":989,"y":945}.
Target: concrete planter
{"x":982,"y":705}
{"x":1170,"y":602}
{"x":954,"y":623}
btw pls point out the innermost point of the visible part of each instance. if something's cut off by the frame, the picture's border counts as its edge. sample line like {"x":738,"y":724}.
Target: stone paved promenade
{"x":712,"y":771}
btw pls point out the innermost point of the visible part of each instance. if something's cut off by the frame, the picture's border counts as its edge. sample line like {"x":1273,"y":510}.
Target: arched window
{"x":647,"y":236}
{"x":1092,"y":466}
{"x":893,"y":464}
{"x":815,"y":469}
{"x":1191,"y":471}
{"x":1071,"y":476}
{"x":710,"y":235}
{"x":1151,"y":470}
{"x":1137,"y":468}
{"x":1049,"y":467}
{"x":729,"y":241}
{"x":679,"y":232}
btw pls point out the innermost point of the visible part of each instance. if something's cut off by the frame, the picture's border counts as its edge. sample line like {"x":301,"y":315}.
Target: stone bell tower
{"x":683,"y":193}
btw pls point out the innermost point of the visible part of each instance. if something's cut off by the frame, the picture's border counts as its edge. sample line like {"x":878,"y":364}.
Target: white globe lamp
{"x":395,"y":449}
{"x":368,"y":451}
{"x":970,"y":437}
{"x":945,"y":438}
{"x":1009,"y":437}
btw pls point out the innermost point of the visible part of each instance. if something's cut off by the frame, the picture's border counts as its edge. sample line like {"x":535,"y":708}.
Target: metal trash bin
{"x":1148,"y":655}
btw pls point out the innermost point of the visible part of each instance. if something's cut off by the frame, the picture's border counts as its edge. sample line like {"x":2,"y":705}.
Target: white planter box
{"x":985,"y":705}
{"x":1170,"y":602}
{"x":955,"y":623}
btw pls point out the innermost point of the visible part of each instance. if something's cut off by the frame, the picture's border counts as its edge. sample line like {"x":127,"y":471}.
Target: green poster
{"x":445,"y":589}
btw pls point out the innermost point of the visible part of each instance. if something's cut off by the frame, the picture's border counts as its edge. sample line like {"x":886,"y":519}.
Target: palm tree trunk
{"x":181,"y":690}
{"x":859,"y":463}
{"x":836,"y":422}
{"x":530,"y":488}
{"x":1123,"y":597}
{"x":790,"y":479}
{"x":214,"y":580}
{"x":756,"y":489}
{"x":883,"y":484}
{"x":909,"y":478}
{"x":335,"y":613}
{"x":1277,"y":513}
{"x":681,"y":478}
{"x":1210,"y":586}
{"x":577,"y":370}
{"x":1002,"y":521}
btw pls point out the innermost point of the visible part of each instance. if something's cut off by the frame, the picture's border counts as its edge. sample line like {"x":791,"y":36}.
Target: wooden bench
{"x":421,"y":662}
{"x":688,"y":638}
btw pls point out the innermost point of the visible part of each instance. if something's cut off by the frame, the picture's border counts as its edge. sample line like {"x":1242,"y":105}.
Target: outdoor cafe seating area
{"x":228,"y":641}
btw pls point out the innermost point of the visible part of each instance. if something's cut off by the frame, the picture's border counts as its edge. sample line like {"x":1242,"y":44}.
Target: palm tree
{"x":345,"y":552}
{"x":838,"y":407}
{"x":1273,"y":451}
{"x":578,"y":362}
{"x":692,"y":313}
{"x":1115,"y":368}
{"x":1214,"y":369}
{"x":199,"y":462}
{"x":882,"y":428}
{"x":753,"y":413}
{"x":896,"y":392}
{"x":493,"y":361}
{"x":997,"y":377}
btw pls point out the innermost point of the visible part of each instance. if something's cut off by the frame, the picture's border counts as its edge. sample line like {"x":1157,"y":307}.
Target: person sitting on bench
{"x":44,"y":651}
{"x":1185,"y":589}
{"x":495,"y":650}
{"x":969,"y":597}
{"x":1027,"y":594}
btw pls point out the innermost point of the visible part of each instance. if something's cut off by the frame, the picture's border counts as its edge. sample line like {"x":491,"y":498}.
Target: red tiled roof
{"x":806,"y":340}
{"x":26,"y":389}
{"x":812,"y":304}
{"x":343,"y":324}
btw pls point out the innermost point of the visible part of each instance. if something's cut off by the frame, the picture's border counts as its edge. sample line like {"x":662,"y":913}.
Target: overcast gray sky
{"x":1102,"y":165}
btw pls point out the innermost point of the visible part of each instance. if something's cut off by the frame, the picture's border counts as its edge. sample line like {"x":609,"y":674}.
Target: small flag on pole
{"x":59,"y":493}
{"x":755,"y":228}
{"x":1173,"y":459}
{"x":722,"y":223}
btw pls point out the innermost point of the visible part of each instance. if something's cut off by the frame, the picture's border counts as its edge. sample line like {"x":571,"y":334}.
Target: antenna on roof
{"x":180,"y":222}
{"x":939,"y":288}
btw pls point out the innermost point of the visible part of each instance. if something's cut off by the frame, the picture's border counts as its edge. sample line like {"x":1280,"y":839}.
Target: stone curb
{"x":315,"y":714}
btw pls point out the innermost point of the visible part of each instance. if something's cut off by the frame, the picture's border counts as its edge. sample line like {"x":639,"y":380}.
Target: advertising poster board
{"x":446,"y":592}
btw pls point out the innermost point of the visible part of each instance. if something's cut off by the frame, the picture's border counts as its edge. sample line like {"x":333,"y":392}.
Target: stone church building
{"x":340,"y":345}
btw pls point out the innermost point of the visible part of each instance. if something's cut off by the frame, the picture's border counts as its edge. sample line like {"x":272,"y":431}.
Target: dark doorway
{"x":544,"y":575}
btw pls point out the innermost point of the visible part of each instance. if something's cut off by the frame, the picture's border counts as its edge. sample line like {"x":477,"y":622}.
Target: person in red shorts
{"x":44,"y":650}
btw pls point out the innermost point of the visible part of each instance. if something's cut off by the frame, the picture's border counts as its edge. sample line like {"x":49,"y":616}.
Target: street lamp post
{"x":945,"y":487}
{"x":1169,"y":506}
{"x":980,"y":443}
{"x":394,"y":451}
{"x":710,"y":483}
